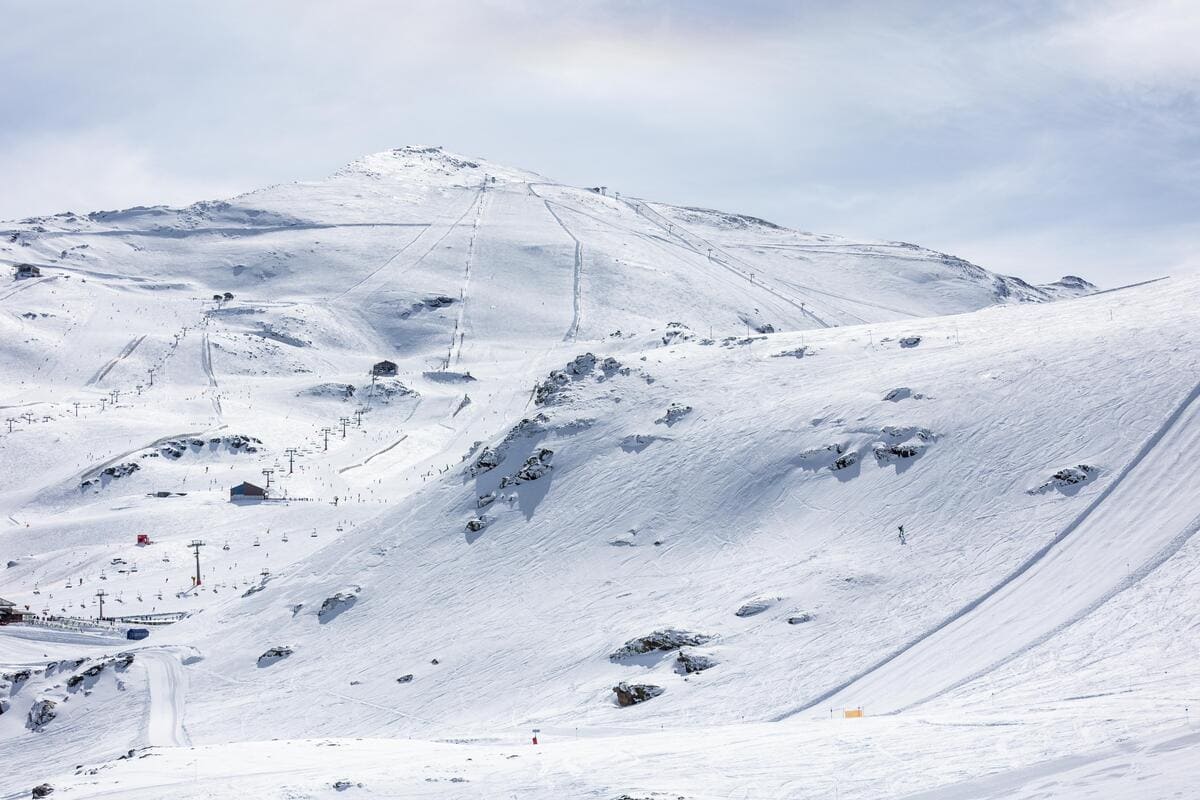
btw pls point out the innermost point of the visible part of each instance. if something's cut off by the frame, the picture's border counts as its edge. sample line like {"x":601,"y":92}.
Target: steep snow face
{"x":625,"y":444}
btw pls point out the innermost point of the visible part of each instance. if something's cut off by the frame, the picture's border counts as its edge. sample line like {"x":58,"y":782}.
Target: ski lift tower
{"x":196,"y":544}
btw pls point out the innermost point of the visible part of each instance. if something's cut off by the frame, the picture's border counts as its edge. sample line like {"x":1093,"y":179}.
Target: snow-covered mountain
{"x":626,"y":445}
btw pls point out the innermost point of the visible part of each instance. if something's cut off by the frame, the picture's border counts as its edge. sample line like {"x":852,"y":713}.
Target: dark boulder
{"x":274,"y":655}
{"x":630,"y":694}
{"x":689,"y":663}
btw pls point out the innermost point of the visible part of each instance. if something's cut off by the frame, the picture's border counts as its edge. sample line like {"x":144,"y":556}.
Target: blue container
{"x":136,"y":633}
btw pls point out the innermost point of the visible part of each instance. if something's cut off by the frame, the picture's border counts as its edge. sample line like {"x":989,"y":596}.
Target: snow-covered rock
{"x":630,"y":694}
{"x":41,"y":714}
{"x":274,"y":655}
{"x":663,"y":640}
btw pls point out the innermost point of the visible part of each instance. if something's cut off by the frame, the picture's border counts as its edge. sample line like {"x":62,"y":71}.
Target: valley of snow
{"x":625,"y":443}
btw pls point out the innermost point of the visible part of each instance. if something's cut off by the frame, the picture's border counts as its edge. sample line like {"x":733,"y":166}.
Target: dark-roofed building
{"x":385,"y":369}
{"x":27,"y":271}
{"x":246,"y":490}
{"x":9,"y":613}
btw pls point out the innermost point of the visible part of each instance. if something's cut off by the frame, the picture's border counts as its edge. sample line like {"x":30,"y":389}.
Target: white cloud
{"x":1147,"y":43}
{"x":88,"y":170}
{"x":919,"y":120}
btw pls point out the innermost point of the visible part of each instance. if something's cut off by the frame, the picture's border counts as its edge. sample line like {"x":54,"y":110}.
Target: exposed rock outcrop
{"x":663,"y":640}
{"x":755,"y":606}
{"x":630,"y":694}
{"x":675,"y":412}
{"x":41,"y":713}
{"x":335,"y":604}
{"x":534,"y":467}
{"x":274,"y":655}
{"x":902,"y":393}
{"x":1067,"y":477}
{"x":689,"y":663}
{"x":491,"y":457}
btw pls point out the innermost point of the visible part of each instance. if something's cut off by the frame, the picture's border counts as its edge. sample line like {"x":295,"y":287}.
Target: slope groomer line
{"x":670,"y":243}
{"x":449,"y":228}
{"x":677,"y":231}
{"x":576,"y":294}
{"x":1090,"y":561}
{"x":672,"y":246}
{"x":167,"y":684}
{"x":206,"y":360}
{"x":124,"y":354}
{"x":27,"y":284}
{"x":459,"y":335}
{"x":577,"y":289}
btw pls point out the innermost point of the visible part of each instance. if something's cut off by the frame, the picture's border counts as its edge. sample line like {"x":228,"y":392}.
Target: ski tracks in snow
{"x":168,"y":691}
{"x":673,"y":229}
{"x":454,"y":356}
{"x":1090,"y":561}
{"x":126,"y":351}
{"x":27,"y":283}
{"x":577,"y":297}
{"x":444,"y":227}
{"x":206,"y":365}
{"x":577,"y":292}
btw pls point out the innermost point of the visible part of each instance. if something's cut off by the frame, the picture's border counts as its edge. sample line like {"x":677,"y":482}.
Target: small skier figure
{"x":903,"y":538}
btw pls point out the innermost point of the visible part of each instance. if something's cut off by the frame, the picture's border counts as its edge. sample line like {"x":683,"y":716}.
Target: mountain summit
{"x":397,"y":470}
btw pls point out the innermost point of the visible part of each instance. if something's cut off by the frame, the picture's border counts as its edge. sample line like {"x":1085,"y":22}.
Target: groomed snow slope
{"x":522,"y":617}
{"x":618,"y":540}
{"x":700,"y":471}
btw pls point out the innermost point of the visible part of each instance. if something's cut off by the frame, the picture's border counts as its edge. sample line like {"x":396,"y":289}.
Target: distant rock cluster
{"x":663,"y":640}
{"x":178,"y":448}
{"x":1067,"y":478}
{"x":431,"y":303}
{"x":675,"y":412}
{"x":901,"y":443}
{"x":534,"y":467}
{"x":274,"y":655}
{"x":491,"y":457}
{"x":553,"y":388}
{"x":116,"y":471}
{"x":902,"y":393}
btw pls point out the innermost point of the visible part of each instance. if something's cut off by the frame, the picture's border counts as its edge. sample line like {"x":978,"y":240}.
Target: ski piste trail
{"x":1127,"y":531}
{"x":167,"y":685}
{"x":995,"y":654}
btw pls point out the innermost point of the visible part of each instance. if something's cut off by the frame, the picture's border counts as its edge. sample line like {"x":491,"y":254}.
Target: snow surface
{"x":1032,"y":637}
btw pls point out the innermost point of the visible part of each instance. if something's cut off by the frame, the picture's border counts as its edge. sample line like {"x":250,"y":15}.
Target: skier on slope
{"x":903,"y":538}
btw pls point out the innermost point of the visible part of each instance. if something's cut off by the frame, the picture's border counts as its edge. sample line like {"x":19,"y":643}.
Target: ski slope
{"x":610,"y":417}
{"x":1124,"y":534}
{"x":168,"y":692}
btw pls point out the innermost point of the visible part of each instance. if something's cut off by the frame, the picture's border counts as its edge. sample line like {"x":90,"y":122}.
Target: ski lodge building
{"x":27,"y":271}
{"x":246,"y":490}
{"x":386,"y":369}
{"x":9,"y":613}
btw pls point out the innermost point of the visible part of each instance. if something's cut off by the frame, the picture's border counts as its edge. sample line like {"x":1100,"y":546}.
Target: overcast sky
{"x":1033,"y":138}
